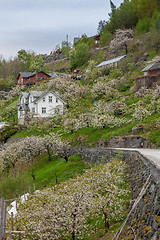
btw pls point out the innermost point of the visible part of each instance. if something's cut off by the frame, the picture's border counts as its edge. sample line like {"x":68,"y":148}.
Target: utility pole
{"x":67,"y":37}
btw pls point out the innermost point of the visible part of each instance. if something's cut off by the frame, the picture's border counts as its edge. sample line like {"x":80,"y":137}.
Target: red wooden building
{"x":30,"y":78}
{"x":151,"y":76}
{"x":97,"y":39}
{"x":152,"y":69}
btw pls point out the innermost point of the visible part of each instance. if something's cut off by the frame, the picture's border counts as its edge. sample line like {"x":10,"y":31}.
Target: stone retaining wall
{"x":144,"y":223}
{"x":125,"y":142}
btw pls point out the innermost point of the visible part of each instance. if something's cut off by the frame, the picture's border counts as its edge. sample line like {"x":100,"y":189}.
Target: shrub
{"x":7,"y":133}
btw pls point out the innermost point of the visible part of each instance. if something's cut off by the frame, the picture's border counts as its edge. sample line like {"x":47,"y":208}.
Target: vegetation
{"x":100,"y":193}
{"x":46,"y":174}
{"x":102,"y":104}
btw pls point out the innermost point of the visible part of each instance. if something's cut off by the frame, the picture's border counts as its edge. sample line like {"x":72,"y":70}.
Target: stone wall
{"x":125,"y":142}
{"x":144,"y":223}
{"x":147,"y":81}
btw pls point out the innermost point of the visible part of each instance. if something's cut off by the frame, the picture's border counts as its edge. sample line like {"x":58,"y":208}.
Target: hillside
{"x":111,"y":106}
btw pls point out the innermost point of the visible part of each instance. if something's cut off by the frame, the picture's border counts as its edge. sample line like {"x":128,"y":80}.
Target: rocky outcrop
{"x":53,"y":57}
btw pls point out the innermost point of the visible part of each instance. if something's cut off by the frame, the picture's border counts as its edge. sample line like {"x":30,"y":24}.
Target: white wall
{"x":50,"y":106}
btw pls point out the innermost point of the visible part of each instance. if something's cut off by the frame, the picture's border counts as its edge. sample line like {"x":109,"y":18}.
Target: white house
{"x":39,"y":104}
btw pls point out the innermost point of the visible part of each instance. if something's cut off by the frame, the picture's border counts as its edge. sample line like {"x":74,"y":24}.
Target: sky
{"x":40,"y":25}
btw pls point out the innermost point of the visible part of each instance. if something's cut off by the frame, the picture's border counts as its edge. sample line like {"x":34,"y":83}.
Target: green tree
{"x":37,"y":64}
{"x":105,"y":38}
{"x":79,"y":56}
{"x":91,"y":42}
{"x":124,"y":17}
{"x":7,"y":83}
{"x":25,"y":59}
{"x":156,"y":19}
{"x":101,"y":26}
{"x":72,"y":59}
{"x":113,"y":9}
{"x":143,"y":26}
{"x":66,"y":47}
{"x":145,"y":8}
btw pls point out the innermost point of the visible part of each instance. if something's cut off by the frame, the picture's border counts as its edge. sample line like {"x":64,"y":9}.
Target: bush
{"x":115,"y":73}
{"x":7,"y":133}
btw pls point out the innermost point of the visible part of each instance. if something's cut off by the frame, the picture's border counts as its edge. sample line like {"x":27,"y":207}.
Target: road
{"x":152,"y":154}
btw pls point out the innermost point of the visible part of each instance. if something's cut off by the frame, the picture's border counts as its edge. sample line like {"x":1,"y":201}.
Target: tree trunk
{"x":106,"y":222}
{"x":126,"y":48}
{"x":65,"y":155}
{"x":73,"y":226}
{"x":66,"y":158}
{"x":73,"y":235}
{"x":49,"y":155}
{"x":56,"y":177}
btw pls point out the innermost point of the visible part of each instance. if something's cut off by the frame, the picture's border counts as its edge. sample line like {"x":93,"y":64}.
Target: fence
{"x":3,"y":207}
{"x":3,"y":216}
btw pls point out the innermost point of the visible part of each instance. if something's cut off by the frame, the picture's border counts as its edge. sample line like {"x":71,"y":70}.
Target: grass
{"x":44,"y":172}
{"x":90,"y":136}
{"x":35,"y":131}
{"x":114,"y":228}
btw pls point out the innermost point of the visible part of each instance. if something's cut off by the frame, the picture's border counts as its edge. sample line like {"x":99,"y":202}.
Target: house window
{"x":44,"y":99}
{"x":43,"y":110}
{"x":56,"y":100}
{"x":33,"y":110}
{"x":50,"y":98}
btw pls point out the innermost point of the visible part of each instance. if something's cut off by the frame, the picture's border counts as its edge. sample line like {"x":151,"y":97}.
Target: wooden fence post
{"x":2,"y":218}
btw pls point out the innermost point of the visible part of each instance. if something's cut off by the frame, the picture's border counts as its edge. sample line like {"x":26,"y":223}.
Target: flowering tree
{"x":106,"y":120}
{"x":122,"y":37}
{"x":22,"y":152}
{"x":101,"y":88}
{"x":63,"y":211}
{"x":140,"y":113}
{"x":59,"y":146}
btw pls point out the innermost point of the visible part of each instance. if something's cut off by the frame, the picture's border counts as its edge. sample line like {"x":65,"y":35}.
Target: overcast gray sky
{"x":40,"y":25}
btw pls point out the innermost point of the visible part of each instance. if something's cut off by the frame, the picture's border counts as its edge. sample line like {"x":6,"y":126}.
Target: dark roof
{"x":148,"y":67}
{"x":152,"y":66}
{"x":27,"y":74}
{"x":52,"y":75}
{"x":31,"y":74}
{"x":97,"y":35}
{"x":155,"y":66}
